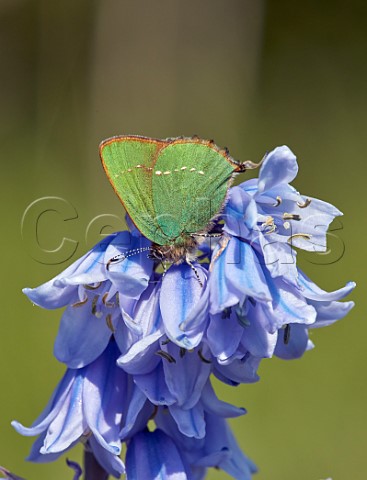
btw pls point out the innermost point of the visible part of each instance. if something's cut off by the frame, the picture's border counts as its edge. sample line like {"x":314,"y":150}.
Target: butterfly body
{"x":172,"y":189}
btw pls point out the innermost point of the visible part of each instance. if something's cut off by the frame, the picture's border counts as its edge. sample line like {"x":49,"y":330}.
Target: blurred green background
{"x":250,"y":74}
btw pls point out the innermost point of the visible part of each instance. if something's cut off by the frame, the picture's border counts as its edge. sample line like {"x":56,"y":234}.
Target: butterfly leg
{"x":194,"y":269}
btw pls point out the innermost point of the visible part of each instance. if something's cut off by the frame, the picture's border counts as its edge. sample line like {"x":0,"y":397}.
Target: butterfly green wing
{"x":128,"y":162}
{"x":189,"y":186}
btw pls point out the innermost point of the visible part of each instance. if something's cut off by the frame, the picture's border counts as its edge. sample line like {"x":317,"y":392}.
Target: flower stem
{"x":92,"y":469}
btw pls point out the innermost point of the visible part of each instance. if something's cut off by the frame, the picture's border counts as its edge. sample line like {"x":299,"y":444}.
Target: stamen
{"x":202,"y":358}
{"x":287,"y":225}
{"x":109,"y":323}
{"x":105,"y":302}
{"x":95,"y":312}
{"x":182,"y":352}
{"x":226,"y":313}
{"x":291,"y":216}
{"x":155,"y":411}
{"x":166,"y":356}
{"x":93,"y":287}
{"x":85,"y":436}
{"x":305,"y":204}
{"x":166,"y":342}
{"x":269,"y":222}
{"x":278,"y":201}
{"x":82,"y":302}
{"x":287,"y":334}
{"x":305,"y":236}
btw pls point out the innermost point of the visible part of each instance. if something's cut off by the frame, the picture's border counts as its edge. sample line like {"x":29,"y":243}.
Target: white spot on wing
{"x":158,"y":172}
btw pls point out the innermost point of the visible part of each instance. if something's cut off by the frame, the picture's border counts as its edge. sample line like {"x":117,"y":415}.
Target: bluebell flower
{"x":268,"y":304}
{"x":169,"y":452}
{"x":154,"y":455}
{"x":163,"y":459}
{"x":87,"y":405}
{"x":217,"y":449}
{"x":99,"y":293}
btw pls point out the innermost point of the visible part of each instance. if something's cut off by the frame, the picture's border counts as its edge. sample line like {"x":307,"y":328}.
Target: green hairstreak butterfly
{"x":172,"y":189}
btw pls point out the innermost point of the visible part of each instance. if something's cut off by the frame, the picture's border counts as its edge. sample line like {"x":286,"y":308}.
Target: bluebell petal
{"x":147,"y":312}
{"x":180,"y":293}
{"x":329,"y":312}
{"x":52,"y":409}
{"x":312,"y":217}
{"x":250,"y":186}
{"x":279,"y":258}
{"x":36,"y":456}
{"x":60,"y":291}
{"x":69,"y":424}
{"x":109,"y":462}
{"x":256,"y":338}
{"x":297,"y":344}
{"x":190,"y":422}
{"x":280,"y":166}
{"x":224,"y":335}
{"x":137,"y":413}
{"x":192,"y":329}
{"x":313,"y":292}
{"x":214,"y":406}
{"x":187,"y":375}
{"x":288,"y":306}
{"x":239,"y":371}
{"x":221,"y":294}
{"x":154,"y":386}
{"x":104,"y":391}
{"x":82,"y":336}
{"x":240,"y":267}
{"x":131,"y":270}
{"x":220,"y":440}
{"x":140,"y":358}
{"x":160,"y":460}
{"x":240,"y":213}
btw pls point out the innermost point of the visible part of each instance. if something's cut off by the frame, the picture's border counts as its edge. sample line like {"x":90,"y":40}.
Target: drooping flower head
{"x":141,"y":342}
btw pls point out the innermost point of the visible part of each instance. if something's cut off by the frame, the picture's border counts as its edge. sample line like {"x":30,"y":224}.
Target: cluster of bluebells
{"x":141,"y":345}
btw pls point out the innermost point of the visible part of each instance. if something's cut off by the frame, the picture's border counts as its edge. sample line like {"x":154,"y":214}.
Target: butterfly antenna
{"x":248,"y":164}
{"x":194,"y":269}
{"x":164,"y":269}
{"x":207,"y":235}
{"x":123,"y":256}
